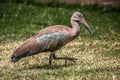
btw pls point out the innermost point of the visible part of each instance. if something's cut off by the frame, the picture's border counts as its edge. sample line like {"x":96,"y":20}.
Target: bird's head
{"x":78,"y":17}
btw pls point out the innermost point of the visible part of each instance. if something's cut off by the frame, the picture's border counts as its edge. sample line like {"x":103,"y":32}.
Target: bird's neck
{"x":75,"y":28}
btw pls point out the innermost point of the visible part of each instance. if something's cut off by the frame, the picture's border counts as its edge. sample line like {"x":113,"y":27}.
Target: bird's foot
{"x":64,"y":58}
{"x":70,"y":59}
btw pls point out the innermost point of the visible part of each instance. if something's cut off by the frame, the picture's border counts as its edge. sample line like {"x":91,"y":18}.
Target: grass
{"x":98,"y":56}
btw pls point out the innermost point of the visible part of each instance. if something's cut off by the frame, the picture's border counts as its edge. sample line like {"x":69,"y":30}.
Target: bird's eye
{"x":80,"y":16}
{"x":75,"y":17}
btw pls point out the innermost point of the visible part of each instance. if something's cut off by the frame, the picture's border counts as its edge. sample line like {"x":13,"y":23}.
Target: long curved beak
{"x":83,"y":21}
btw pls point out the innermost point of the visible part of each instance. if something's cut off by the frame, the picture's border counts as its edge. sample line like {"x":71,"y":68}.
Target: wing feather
{"x":48,"y":39}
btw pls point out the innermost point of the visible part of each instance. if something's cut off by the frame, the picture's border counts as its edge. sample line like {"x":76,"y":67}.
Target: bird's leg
{"x":65,"y":58}
{"x":50,"y":60}
{"x":54,"y":56}
{"x":70,"y":59}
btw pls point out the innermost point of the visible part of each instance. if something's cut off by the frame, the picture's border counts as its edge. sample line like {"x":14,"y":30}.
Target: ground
{"x":98,"y":55}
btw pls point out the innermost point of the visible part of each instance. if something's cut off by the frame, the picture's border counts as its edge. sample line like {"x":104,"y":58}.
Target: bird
{"x":50,"y":39}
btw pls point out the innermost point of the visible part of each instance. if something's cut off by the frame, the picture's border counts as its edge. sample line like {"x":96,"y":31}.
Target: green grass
{"x":98,"y":56}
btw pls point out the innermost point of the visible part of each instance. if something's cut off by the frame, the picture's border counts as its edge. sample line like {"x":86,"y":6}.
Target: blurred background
{"x":98,"y":55}
{"x":103,"y":2}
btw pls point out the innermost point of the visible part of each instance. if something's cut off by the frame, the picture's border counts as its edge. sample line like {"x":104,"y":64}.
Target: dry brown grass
{"x":96,"y":60}
{"x":98,"y":56}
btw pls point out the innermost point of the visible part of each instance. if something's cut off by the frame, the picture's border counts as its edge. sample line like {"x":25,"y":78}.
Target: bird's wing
{"x":53,"y":41}
{"x":47,"y":39}
{"x":30,"y":46}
